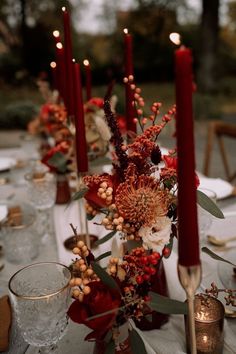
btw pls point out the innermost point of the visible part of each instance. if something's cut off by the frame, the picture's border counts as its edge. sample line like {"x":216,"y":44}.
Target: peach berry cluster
{"x":81,"y":266}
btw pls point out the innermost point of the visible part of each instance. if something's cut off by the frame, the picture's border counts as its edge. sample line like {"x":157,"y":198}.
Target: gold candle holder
{"x":190,"y":278}
{"x":209,"y":324}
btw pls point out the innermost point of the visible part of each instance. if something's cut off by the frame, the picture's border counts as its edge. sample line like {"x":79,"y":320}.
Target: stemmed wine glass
{"x":40,"y":298}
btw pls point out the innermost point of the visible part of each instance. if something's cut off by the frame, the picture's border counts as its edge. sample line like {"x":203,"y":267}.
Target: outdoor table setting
{"x":109,"y":242}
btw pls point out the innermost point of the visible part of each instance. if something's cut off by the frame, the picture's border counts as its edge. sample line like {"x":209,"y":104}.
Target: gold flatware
{"x":230,"y":313}
{"x":219,"y":242}
{"x":222,"y":248}
{"x":3,"y":181}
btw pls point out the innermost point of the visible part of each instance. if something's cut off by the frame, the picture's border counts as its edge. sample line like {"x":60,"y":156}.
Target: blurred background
{"x":208,"y":27}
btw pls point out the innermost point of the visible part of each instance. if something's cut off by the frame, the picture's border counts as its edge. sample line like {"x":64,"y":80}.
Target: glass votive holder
{"x":41,"y":188}
{"x":209,"y":325}
{"x":19,"y":235}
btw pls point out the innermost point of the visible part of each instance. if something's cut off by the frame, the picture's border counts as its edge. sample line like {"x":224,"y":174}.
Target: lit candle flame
{"x":175,"y":38}
{"x":63,"y":8}
{"x":86,"y":62}
{"x":56,"y":33}
{"x":126,"y":31}
{"x":59,"y":45}
{"x":73,"y":60}
{"x":205,"y":339}
{"x":53,"y":64}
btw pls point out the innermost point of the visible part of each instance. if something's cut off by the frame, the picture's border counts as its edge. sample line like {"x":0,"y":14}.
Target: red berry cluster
{"x":141,"y":265}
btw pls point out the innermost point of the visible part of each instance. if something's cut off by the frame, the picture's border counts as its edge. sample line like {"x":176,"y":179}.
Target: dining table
{"x":167,"y":340}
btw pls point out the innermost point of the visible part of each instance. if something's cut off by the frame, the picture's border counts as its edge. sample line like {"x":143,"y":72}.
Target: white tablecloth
{"x":168,"y":340}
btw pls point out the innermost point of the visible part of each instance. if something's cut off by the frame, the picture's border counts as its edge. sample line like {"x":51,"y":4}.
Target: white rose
{"x":156,"y":236}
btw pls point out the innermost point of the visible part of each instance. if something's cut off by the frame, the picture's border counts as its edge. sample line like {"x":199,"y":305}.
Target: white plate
{"x":225,"y":270}
{"x":6,"y":163}
{"x":3,"y":212}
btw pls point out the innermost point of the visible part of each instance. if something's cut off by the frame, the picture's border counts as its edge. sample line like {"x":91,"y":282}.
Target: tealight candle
{"x":209,"y":322}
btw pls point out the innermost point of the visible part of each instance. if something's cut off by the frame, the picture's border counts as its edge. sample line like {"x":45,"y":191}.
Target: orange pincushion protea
{"x":140,"y":200}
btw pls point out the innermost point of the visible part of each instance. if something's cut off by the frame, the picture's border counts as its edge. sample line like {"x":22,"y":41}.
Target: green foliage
{"x":104,"y":255}
{"x":17,"y":115}
{"x":59,"y":161}
{"x":206,"y":203}
{"x":80,"y":194}
{"x":166,"y":305}
{"x":136,"y":343}
{"x":110,"y":347}
{"x":215,"y":256}
{"x":105,"y":238}
{"x":104,"y":276}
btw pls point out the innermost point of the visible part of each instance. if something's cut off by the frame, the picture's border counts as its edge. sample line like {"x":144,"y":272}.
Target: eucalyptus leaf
{"x":206,"y":203}
{"x":166,"y":305}
{"x":105,"y":238}
{"x":90,"y":217}
{"x":80,"y":194}
{"x":104,"y":276}
{"x":104,"y":255}
{"x":110,"y":348}
{"x":58,"y":161}
{"x":215,"y":256}
{"x":136,"y":342}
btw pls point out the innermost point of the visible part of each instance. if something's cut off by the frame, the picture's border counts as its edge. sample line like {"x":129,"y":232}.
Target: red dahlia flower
{"x":99,"y":300}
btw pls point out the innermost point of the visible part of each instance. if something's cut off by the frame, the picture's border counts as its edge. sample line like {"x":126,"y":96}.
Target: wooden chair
{"x":219,"y":130}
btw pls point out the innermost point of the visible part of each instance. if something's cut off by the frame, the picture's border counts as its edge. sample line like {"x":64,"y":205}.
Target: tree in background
{"x":209,"y":42}
{"x":32,"y":22}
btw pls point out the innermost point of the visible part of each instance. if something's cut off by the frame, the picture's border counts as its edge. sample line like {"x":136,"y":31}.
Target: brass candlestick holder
{"x":190,"y":278}
{"x":83,"y":232}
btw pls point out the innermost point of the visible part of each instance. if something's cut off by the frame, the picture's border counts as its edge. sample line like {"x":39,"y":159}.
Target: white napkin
{"x":222,"y":188}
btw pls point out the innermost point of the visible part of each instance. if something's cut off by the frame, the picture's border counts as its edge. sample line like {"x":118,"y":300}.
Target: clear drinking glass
{"x":40,"y":296}
{"x":41,"y":188}
{"x":21,"y":240}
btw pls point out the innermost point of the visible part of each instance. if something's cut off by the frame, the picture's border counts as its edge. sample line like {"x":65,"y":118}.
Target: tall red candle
{"x":69,"y":65}
{"x":80,"y":138}
{"x":56,"y":36}
{"x":53,"y":66}
{"x":88,"y":79}
{"x":61,"y":74}
{"x":129,"y":70}
{"x":188,"y":241}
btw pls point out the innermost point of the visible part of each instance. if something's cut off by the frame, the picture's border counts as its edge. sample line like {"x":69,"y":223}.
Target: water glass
{"x":40,"y":297}
{"x":21,"y":241}
{"x":41,"y":188}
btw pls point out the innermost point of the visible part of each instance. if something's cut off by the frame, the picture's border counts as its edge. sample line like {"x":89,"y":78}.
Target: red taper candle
{"x":188,"y":240}
{"x":129,"y":70}
{"x":69,"y":64}
{"x":56,"y":36}
{"x":80,"y":138}
{"x":88,"y":79}
{"x":61,"y":74}
{"x":53,"y":66}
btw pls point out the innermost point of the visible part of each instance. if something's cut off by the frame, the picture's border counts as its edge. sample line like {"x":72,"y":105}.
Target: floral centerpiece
{"x":137,"y":204}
